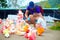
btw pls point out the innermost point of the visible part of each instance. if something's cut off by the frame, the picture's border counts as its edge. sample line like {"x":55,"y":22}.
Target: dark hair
{"x":31,"y":4}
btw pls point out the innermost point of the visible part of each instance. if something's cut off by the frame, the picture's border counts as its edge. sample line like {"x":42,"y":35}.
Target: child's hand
{"x":37,"y":25}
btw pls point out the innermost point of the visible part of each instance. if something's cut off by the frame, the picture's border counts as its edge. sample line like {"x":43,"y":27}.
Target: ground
{"x":47,"y":35}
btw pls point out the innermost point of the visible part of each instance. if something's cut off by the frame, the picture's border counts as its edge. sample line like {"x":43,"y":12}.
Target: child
{"x":40,"y":24}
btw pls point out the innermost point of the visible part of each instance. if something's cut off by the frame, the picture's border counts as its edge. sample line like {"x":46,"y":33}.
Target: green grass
{"x":56,"y":26}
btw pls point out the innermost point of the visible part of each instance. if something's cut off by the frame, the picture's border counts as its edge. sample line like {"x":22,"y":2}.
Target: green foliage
{"x":53,"y":3}
{"x":44,"y":4}
{"x":2,"y":0}
{"x":3,"y":3}
{"x":58,"y":5}
{"x":50,"y":4}
{"x":56,"y":26}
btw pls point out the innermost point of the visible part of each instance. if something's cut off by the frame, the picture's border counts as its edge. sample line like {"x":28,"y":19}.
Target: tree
{"x":54,"y":3}
{"x":44,"y":4}
{"x":3,"y":3}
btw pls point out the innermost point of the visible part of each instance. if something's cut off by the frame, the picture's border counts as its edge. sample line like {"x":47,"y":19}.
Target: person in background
{"x":31,"y":10}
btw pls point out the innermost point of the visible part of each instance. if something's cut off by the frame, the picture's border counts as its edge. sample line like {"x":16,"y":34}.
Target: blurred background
{"x":23,"y":3}
{"x":10,"y":7}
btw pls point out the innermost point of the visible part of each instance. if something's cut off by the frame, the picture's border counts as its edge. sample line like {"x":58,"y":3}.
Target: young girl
{"x":40,"y":24}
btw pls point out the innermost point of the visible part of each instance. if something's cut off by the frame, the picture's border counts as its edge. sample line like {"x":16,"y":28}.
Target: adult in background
{"x":31,"y":10}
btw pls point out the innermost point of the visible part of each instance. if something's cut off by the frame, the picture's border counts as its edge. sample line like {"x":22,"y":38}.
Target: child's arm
{"x":37,"y":23}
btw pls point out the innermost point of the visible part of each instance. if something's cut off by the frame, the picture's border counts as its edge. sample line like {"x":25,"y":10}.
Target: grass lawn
{"x":56,"y":26}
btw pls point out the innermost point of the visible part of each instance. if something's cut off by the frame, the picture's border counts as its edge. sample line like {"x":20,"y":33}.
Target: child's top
{"x":41,"y":21}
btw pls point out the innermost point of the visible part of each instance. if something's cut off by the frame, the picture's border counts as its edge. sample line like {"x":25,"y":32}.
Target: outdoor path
{"x":47,"y":35}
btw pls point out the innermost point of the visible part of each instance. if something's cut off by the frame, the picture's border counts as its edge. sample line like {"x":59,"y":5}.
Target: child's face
{"x":20,"y":16}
